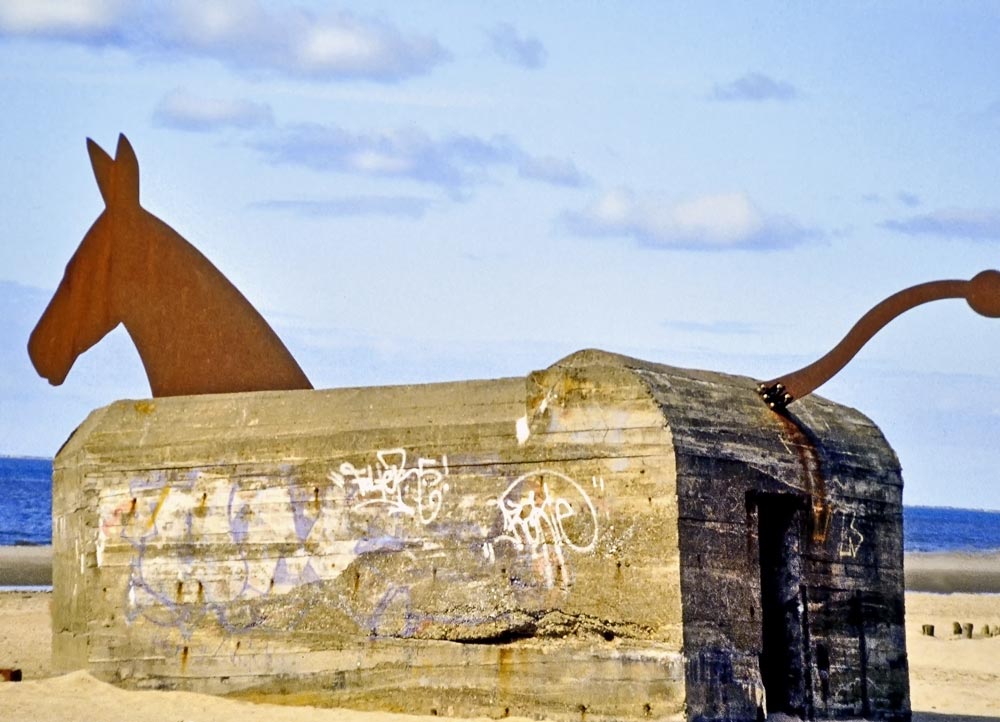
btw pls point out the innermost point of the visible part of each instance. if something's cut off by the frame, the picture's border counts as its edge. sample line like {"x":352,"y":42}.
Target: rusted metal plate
{"x":195,"y":332}
{"x":982,"y":294}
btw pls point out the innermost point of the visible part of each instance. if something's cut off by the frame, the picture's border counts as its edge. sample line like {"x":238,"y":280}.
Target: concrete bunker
{"x":605,"y":539}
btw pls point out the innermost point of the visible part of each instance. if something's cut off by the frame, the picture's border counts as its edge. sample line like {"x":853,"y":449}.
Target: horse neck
{"x":195,"y":332}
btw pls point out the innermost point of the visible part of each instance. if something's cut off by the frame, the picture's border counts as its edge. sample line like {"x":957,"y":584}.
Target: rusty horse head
{"x":194,"y":331}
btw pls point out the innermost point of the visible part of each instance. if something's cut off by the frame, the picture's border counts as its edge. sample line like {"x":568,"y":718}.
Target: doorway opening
{"x":784,"y":659}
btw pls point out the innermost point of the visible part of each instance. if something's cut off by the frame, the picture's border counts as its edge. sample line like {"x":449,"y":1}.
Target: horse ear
{"x":103,"y":169}
{"x":126,"y":172}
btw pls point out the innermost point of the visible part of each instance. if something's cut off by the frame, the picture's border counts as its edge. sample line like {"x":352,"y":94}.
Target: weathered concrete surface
{"x":583,"y":543}
{"x":790,"y":521}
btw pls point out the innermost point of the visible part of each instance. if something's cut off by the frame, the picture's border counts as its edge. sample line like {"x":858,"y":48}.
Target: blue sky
{"x":427,"y":191}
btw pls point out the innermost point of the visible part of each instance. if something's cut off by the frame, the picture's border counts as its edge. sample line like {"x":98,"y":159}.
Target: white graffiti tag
{"x":417,"y":491}
{"x":851,"y":539}
{"x":544,"y":512}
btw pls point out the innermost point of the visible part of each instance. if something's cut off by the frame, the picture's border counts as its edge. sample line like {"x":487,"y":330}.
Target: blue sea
{"x":25,"y":501}
{"x":937,"y":529}
{"x":26,"y":515}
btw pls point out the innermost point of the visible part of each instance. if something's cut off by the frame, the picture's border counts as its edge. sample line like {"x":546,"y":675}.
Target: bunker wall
{"x":479,"y":548}
{"x":607,"y":539}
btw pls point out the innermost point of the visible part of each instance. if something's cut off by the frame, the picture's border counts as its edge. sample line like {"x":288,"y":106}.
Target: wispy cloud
{"x":754,"y":88}
{"x":976,"y":224}
{"x":524,"y":51}
{"x":908,"y":199}
{"x":183,"y":111}
{"x":242,"y":34}
{"x":454,"y":162}
{"x":727,"y":221}
{"x":557,"y":171}
{"x":714,"y":328}
{"x":393,"y":206}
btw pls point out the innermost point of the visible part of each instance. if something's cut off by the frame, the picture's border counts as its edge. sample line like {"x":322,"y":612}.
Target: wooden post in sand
{"x":927,"y":630}
{"x":967,"y":629}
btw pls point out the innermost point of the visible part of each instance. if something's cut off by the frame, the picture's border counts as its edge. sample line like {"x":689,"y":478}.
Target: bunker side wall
{"x":827,"y":473}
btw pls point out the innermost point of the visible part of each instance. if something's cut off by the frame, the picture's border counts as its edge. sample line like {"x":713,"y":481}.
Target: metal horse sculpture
{"x":982,"y":293}
{"x":195,"y":333}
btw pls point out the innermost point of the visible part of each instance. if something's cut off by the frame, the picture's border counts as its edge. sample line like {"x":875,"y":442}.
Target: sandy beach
{"x":951,"y":677}
{"x":25,"y":566}
{"x":955,"y":572}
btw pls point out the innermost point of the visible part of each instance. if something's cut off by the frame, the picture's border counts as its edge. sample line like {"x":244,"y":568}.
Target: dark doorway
{"x":784,"y":657}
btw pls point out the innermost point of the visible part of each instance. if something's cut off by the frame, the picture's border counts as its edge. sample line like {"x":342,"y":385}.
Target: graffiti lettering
{"x":416,"y":491}
{"x":851,"y":539}
{"x":192,"y":538}
{"x":164,"y":517}
{"x":543,"y":513}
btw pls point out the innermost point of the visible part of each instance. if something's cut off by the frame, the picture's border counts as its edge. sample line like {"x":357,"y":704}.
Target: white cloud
{"x":298,"y":42}
{"x":183,"y":111}
{"x":754,"y":87}
{"x":376,"y":162}
{"x":338,"y":46}
{"x":346,"y":45}
{"x":509,"y":45}
{"x":728,"y":221}
{"x":723,"y":219}
{"x":215,"y":21}
{"x":87,"y":20}
{"x":240,"y":33}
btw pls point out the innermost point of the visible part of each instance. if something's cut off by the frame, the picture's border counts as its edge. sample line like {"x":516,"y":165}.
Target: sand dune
{"x":78,"y":696}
